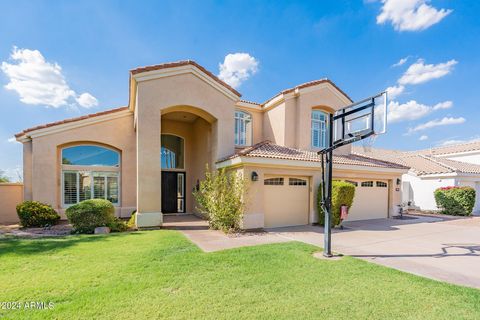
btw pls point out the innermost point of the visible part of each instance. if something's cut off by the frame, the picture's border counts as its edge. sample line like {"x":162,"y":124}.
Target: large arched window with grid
{"x":90,"y":172}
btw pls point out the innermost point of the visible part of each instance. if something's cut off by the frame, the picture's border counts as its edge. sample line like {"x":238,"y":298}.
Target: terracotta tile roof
{"x":420,"y":164}
{"x":457,"y":148}
{"x":184,"y":63}
{"x":56,"y":123}
{"x":267,"y":149}
{"x":309,"y":84}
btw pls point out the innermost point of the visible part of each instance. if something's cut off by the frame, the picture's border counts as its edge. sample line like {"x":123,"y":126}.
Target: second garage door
{"x":286,"y":201}
{"x":371,"y":200}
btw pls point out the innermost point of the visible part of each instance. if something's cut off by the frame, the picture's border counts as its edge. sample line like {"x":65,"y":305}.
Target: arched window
{"x":319,"y":129}
{"x":172,"y":152}
{"x":90,"y":172}
{"x":243,"y":128}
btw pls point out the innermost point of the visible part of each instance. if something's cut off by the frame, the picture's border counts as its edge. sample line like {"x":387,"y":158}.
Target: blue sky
{"x":354,"y":43}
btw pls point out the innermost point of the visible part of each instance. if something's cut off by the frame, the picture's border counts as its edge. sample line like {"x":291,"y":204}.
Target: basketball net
{"x":368,"y":143}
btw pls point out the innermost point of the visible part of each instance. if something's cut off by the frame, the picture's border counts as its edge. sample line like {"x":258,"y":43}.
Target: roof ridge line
{"x":438,"y":162}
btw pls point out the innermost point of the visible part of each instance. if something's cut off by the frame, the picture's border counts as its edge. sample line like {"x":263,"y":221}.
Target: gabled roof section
{"x":181,"y":64}
{"x":70,"y":120}
{"x":267,"y":149}
{"x":309,"y":84}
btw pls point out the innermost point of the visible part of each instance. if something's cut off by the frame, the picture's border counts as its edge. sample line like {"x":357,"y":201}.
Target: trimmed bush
{"x":89,"y":214}
{"x":342,"y":194}
{"x":456,"y":201}
{"x":220,"y":197}
{"x":117,"y":225}
{"x":36,"y":214}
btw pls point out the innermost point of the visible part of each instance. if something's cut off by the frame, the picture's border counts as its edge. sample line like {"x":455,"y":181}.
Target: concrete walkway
{"x":211,"y":240}
{"x":442,"y":249}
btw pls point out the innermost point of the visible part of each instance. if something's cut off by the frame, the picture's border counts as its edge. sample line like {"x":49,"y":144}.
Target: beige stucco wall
{"x":255,"y":208}
{"x":182,"y":92}
{"x":46,"y":161}
{"x":288,"y":121}
{"x":11,"y":194}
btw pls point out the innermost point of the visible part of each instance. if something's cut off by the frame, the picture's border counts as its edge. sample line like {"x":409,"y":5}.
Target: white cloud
{"x":86,"y":100}
{"x":12,"y":140}
{"x":419,"y":72}
{"x":237,"y":67}
{"x":443,"y":105}
{"x":410,"y":15}
{"x":458,"y":141}
{"x":412,"y":110}
{"x":423,"y":138}
{"x":39,"y":82}
{"x":395,"y":91}
{"x":400,"y":62}
{"x":437,"y":123}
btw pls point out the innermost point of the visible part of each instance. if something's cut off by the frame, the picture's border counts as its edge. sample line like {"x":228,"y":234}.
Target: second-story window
{"x":243,"y":128}
{"x":319,"y":129}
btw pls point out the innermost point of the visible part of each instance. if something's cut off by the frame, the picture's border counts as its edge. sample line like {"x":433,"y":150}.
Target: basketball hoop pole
{"x":327,"y":238}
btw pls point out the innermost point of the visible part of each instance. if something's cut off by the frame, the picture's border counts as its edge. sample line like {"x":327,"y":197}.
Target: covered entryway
{"x":371,"y":200}
{"x":286,"y":201}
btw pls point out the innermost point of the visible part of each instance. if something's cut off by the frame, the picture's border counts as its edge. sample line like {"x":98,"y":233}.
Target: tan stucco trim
{"x":298,"y":91}
{"x":248,"y":105}
{"x":326,"y":109}
{"x":189,"y":68}
{"x":72,"y":125}
{"x":190,"y":109}
{"x":285,"y":163}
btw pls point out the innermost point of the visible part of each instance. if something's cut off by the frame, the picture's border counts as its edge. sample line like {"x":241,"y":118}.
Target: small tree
{"x":220,"y":197}
{"x":342,"y":195}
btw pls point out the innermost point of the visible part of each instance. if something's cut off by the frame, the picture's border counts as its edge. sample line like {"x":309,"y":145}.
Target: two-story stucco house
{"x":150,"y":155}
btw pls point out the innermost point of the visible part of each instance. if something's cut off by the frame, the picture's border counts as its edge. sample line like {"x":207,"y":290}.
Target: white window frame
{"x":241,"y":136}
{"x":321,"y":130}
{"x":90,"y":170}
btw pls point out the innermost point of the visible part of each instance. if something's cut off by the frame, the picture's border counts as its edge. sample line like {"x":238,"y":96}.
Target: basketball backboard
{"x":360,"y":120}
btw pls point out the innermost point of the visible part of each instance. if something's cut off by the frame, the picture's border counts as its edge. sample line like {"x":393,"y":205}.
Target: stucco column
{"x":149,"y":173}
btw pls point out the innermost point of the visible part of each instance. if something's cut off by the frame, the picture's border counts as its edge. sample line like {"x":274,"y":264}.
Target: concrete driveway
{"x":442,"y":249}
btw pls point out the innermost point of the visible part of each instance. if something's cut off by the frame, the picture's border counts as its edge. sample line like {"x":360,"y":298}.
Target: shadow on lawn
{"x":26,"y":246}
{"x":448,"y":250}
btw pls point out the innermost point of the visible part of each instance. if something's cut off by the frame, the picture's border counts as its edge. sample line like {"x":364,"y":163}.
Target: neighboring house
{"x":150,"y":155}
{"x":457,"y":165}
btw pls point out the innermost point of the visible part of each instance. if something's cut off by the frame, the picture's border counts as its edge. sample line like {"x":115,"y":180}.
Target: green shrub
{"x":342,"y":194}
{"x":131,"y":225}
{"x":89,"y":214}
{"x":117,"y":225}
{"x":36,"y":214}
{"x":457,"y":201}
{"x":220,"y":197}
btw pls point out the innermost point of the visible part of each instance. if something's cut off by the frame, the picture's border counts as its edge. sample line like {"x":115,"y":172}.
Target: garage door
{"x":371,"y":200}
{"x":286,"y":201}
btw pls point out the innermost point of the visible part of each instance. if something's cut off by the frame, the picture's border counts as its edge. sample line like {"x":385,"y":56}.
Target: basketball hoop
{"x":361,"y":121}
{"x":368,"y":143}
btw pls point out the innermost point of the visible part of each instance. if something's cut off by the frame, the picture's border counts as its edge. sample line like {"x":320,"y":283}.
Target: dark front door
{"x":173,"y":192}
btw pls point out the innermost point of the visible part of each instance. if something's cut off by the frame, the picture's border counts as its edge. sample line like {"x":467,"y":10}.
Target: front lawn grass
{"x":161,"y":274}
